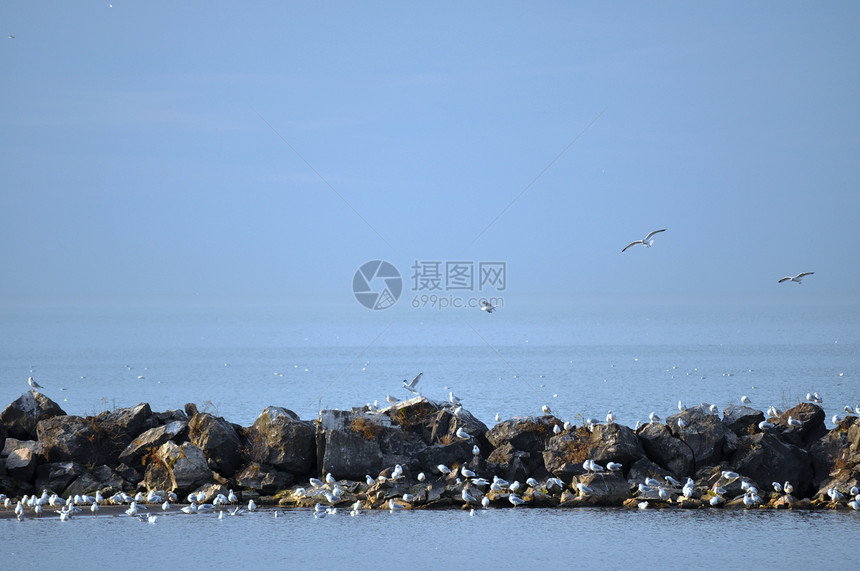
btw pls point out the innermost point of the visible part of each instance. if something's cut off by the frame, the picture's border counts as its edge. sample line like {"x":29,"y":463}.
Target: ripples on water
{"x":492,"y":539}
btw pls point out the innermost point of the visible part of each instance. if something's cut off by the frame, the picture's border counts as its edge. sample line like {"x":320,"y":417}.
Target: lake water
{"x":579,"y":359}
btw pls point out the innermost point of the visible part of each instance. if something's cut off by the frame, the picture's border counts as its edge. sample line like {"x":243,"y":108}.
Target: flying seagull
{"x":411,"y":386}
{"x":34,"y":384}
{"x":796,"y":278}
{"x":646,"y":242}
{"x":485,"y":306}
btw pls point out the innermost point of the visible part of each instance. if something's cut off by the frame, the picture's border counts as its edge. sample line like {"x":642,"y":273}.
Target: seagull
{"x":498,"y":417}
{"x":476,"y":450}
{"x":468,"y":498}
{"x":485,"y":306}
{"x":583,"y":489}
{"x":653,"y":417}
{"x":777,"y":487}
{"x":610,"y":418}
{"x":546,"y":409}
{"x":797,"y":279}
{"x":646,"y":242}
{"x":34,"y":384}
{"x":794,"y":422}
{"x":411,"y":386}
{"x":613,"y":466}
{"x":713,"y":409}
{"x":763,"y":425}
{"x":515,"y":500}
{"x":391,"y":399}
{"x":11,"y":37}
{"x":746,"y":400}
{"x":443,"y":468}
{"x":681,"y":406}
{"x":462,"y":434}
{"x":455,"y":400}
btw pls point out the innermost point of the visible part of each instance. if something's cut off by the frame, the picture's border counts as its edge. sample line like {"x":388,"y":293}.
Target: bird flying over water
{"x":646,"y":242}
{"x":797,"y":278}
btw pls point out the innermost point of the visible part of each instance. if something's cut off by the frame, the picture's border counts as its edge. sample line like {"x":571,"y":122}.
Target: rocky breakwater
{"x":424,"y":454}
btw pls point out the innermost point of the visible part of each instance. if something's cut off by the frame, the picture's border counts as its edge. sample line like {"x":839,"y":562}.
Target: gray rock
{"x":766,"y":458}
{"x":70,"y":438}
{"x":181,"y":469}
{"x":709,"y":438}
{"x":836,"y":456}
{"x":218,"y":440}
{"x":279,"y":439}
{"x":665,"y":450}
{"x":152,"y":440}
{"x":528,"y":435}
{"x":742,"y":420}
{"x":13,"y":444}
{"x":21,"y":464}
{"x":56,"y":476}
{"x":119,"y":427}
{"x":103,"y":477}
{"x":20,"y":418}
{"x":811,"y":417}
{"x":263,"y":479}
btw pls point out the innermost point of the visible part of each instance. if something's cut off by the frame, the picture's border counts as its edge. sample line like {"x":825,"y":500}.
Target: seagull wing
{"x":648,"y":237}
{"x":798,"y":276}
{"x":415,"y":381}
{"x":633,"y":244}
{"x":785,"y":279}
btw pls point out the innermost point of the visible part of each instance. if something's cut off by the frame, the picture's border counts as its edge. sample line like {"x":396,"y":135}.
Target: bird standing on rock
{"x":33,"y":384}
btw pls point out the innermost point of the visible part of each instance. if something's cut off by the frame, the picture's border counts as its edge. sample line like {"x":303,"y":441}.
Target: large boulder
{"x":71,"y":438}
{"x":56,"y":476}
{"x":565,"y":452}
{"x":178,"y":468}
{"x":811,"y":417}
{"x":353,"y":443}
{"x":21,"y":464}
{"x":13,"y":444}
{"x":665,"y":450}
{"x":279,"y":439}
{"x":151,"y":440}
{"x":766,"y":458}
{"x":20,"y":418}
{"x":102,"y":478}
{"x":218,"y":440}
{"x":525,"y":439}
{"x":119,"y":427}
{"x":709,"y":439}
{"x":836,"y":456}
{"x":742,"y":420}
{"x":263,"y":479}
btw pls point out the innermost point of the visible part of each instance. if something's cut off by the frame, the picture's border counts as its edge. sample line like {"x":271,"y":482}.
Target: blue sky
{"x":138,"y":162}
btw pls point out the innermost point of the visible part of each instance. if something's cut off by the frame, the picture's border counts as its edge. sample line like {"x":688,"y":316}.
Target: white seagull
{"x":462,"y":434}
{"x":746,"y":400}
{"x":411,"y":386}
{"x":646,"y":242}
{"x":545,"y":409}
{"x":797,"y":279}
{"x":34,"y":384}
{"x":485,"y":306}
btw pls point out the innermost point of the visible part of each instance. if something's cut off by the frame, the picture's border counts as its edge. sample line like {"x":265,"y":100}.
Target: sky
{"x":221,"y":151}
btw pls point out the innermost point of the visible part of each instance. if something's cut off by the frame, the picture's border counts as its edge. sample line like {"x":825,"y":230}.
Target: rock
{"x":836,"y":456}
{"x":665,"y":450}
{"x":119,"y":427}
{"x":279,"y":439}
{"x":56,"y":476}
{"x":766,"y":458}
{"x":511,"y":464}
{"x":811,"y":417}
{"x":103,"y":477}
{"x":742,"y":420}
{"x":13,"y":444}
{"x":565,"y":452}
{"x":709,"y":438}
{"x":528,"y":435}
{"x":71,"y":438}
{"x":130,"y":477}
{"x":265,"y":480}
{"x":353,"y":443}
{"x":151,"y":440}
{"x":218,"y":440}
{"x":21,"y":464}
{"x":20,"y":418}
{"x":643,"y":469}
{"x":451,"y":455}
{"x":608,"y":489}
{"x":178,"y":468}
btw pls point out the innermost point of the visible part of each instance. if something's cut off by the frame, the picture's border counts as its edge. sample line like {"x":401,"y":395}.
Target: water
{"x":580,"y":360}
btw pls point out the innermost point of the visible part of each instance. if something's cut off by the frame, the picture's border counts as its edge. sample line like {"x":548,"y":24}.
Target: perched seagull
{"x":498,"y":417}
{"x":462,"y":434}
{"x":556,"y":429}
{"x":391,"y":399}
{"x":411,"y":386}
{"x":794,"y":422}
{"x":610,"y":418}
{"x":797,"y":279}
{"x":546,"y":409}
{"x":713,"y":409}
{"x":763,"y":425}
{"x":653,"y":417}
{"x":455,"y":400}
{"x":746,"y":400}
{"x":646,"y":242}
{"x":485,"y":306}
{"x":681,"y":406}
{"x":34,"y":384}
